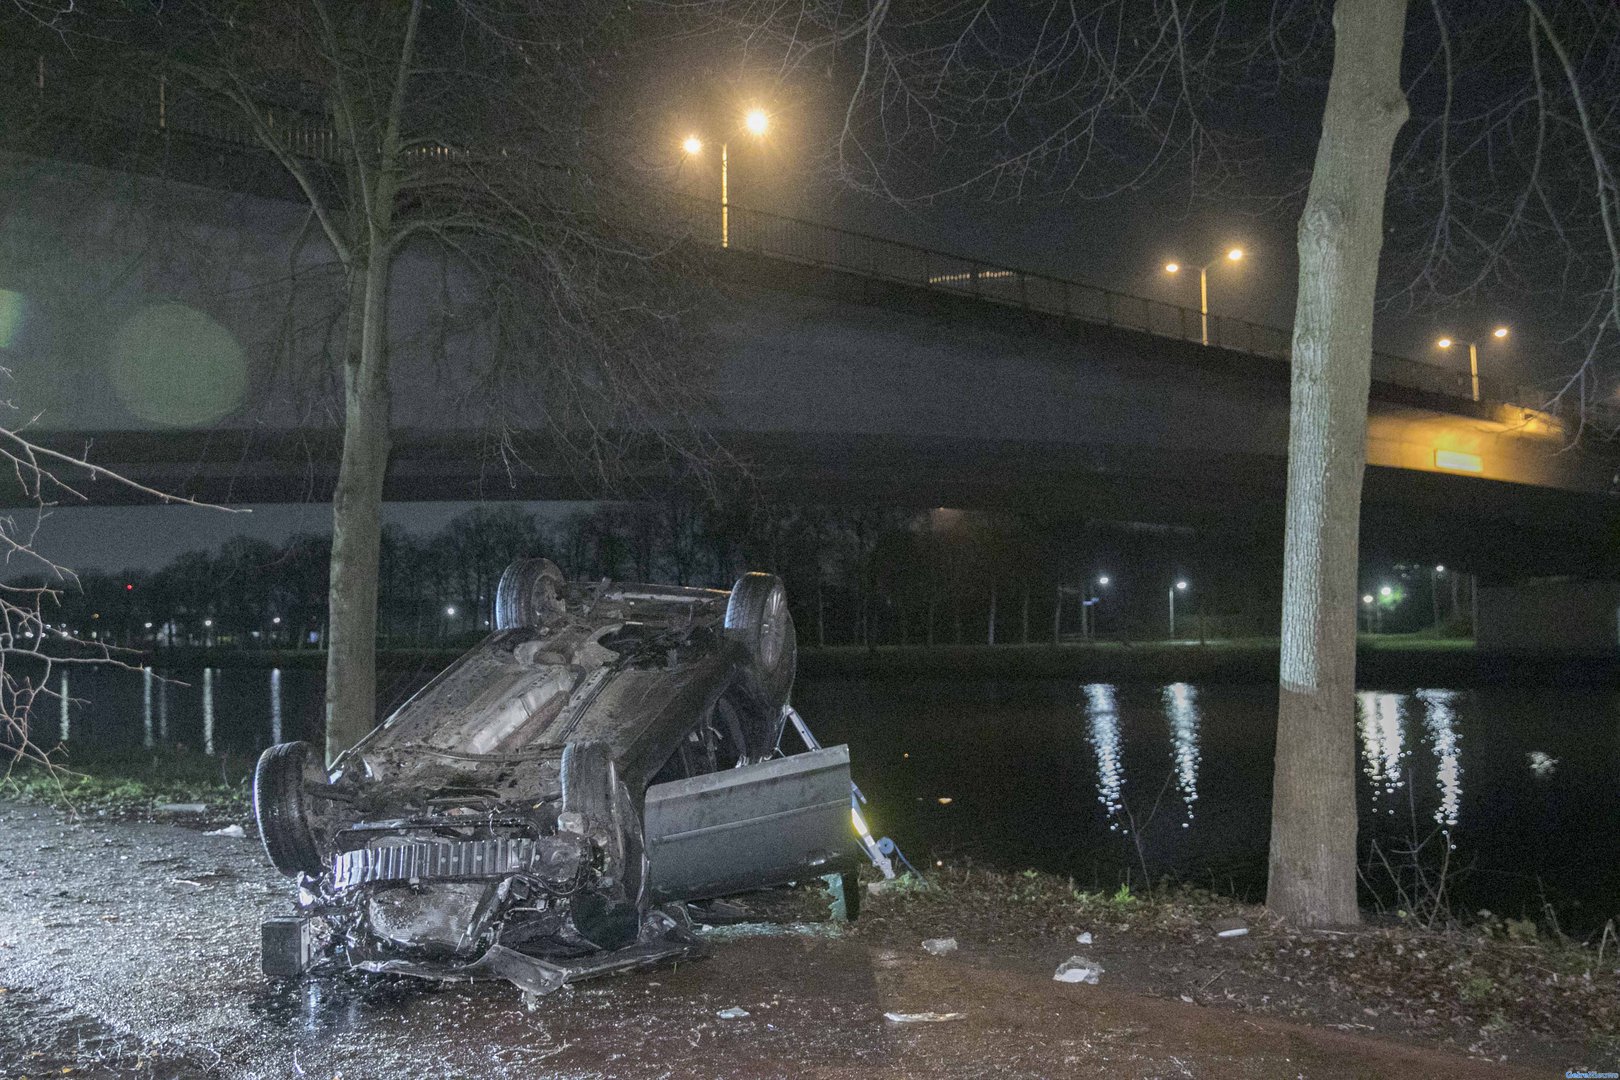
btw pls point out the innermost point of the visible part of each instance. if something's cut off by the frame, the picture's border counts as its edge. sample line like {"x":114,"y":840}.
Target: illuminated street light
{"x":1386,"y":592}
{"x":1181,"y":586}
{"x":1103,"y":580}
{"x":276,"y":621}
{"x":450,"y":611}
{"x":1500,"y":334}
{"x":1232,"y":255}
{"x":1367,"y":599}
{"x":756,"y":122}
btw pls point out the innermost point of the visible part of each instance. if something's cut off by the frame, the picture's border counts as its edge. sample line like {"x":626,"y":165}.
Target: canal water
{"x":1516,"y":786}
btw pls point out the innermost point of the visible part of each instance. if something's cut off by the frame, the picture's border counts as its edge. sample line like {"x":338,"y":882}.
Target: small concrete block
{"x":289,"y":947}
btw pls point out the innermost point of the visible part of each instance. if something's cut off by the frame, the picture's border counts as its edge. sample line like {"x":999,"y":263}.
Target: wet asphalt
{"x":129,"y":951}
{"x":138,"y":943}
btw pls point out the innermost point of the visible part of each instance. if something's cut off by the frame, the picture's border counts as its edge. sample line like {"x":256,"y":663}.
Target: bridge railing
{"x":795,"y":239}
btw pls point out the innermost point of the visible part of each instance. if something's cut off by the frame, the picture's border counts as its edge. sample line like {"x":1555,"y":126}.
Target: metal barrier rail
{"x":777,"y":236}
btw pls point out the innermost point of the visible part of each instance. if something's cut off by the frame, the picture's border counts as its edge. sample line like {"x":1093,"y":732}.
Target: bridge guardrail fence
{"x":778,"y":236}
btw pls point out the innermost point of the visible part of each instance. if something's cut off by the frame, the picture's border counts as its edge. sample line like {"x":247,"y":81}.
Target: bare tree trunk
{"x":1313,"y":824}
{"x":351,"y":659}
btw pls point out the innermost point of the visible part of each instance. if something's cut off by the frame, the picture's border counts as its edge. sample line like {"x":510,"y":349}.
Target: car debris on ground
{"x":1078,"y":969}
{"x":922,"y":1017}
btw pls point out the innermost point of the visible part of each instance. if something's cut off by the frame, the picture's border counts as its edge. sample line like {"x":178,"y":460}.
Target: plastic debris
{"x":1078,"y":969}
{"x":1229,"y":927}
{"x":734,"y":1013}
{"x":181,"y":808}
{"x":939,"y":946}
{"x":235,"y":832}
{"x":922,"y":1017}
{"x":1083,"y":939}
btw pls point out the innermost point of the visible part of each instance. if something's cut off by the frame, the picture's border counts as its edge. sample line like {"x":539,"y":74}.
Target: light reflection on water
{"x":1181,"y":710}
{"x":1102,"y":711}
{"x":1440,"y":720}
{"x":1379,"y":719}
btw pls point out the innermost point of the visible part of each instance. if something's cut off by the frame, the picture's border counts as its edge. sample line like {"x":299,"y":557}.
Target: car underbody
{"x":544,"y":809}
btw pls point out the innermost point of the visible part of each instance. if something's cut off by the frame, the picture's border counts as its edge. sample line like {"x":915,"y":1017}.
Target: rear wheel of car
{"x":528,"y":593}
{"x":282,"y":806}
{"x":757,"y":615}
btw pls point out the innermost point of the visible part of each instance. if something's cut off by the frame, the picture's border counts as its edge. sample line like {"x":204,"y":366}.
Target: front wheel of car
{"x":757,"y":615}
{"x":282,"y":806}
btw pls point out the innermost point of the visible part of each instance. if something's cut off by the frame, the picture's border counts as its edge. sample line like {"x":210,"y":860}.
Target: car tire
{"x":757,"y":615}
{"x":528,"y":593}
{"x":281,"y":806}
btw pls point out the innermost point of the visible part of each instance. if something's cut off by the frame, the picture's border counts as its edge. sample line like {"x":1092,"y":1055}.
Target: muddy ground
{"x":130,"y":949}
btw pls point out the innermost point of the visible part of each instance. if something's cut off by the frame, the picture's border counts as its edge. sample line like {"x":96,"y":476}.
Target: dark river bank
{"x":1088,"y":777}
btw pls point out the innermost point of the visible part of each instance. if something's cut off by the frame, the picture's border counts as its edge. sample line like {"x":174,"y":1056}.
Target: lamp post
{"x":1095,"y":602}
{"x":1367,"y":605}
{"x":1180,"y":586}
{"x":756,"y":122}
{"x":1232,"y":255}
{"x":1500,"y":333}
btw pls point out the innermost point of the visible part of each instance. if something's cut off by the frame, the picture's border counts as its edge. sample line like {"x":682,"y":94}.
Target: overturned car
{"x":543,"y":808}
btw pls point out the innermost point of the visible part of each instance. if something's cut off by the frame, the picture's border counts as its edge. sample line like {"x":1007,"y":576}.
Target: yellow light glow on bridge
{"x":1457,"y":461}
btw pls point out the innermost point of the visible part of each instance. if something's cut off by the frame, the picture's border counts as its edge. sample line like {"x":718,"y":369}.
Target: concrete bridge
{"x":166,"y":325}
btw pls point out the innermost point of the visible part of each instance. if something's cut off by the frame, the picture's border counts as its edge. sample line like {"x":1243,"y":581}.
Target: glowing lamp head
{"x":1182,"y":585}
{"x":1236,"y":254}
{"x":1172,"y":268}
{"x":450,"y":611}
{"x":1439,"y":569}
{"x":692,"y":145}
{"x":756,"y":121}
{"x":1444,"y":343}
{"x":1367,"y":599}
{"x":1103,"y":580}
{"x":1386,"y":591}
{"x":1499,"y":332}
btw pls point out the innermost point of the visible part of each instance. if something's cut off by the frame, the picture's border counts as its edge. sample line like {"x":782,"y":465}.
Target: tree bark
{"x":351,"y":659}
{"x":1313,"y":825}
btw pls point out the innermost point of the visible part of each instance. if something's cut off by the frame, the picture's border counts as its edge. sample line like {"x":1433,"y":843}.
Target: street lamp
{"x":1500,"y":333}
{"x":1232,"y":255}
{"x":1088,"y":618}
{"x":756,"y":122}
{"x":1180,"y":586}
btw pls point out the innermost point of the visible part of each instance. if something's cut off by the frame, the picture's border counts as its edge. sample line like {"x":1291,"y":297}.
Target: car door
{"x":746,"y":828}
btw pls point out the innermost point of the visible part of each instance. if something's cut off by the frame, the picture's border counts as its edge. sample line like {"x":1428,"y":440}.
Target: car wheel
{"x":528,"y":594}
{"x":282,"y":807}
{"x":757,"y":615}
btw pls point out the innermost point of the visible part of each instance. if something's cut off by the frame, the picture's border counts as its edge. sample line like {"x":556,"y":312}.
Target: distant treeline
{"x":854,"y":576}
